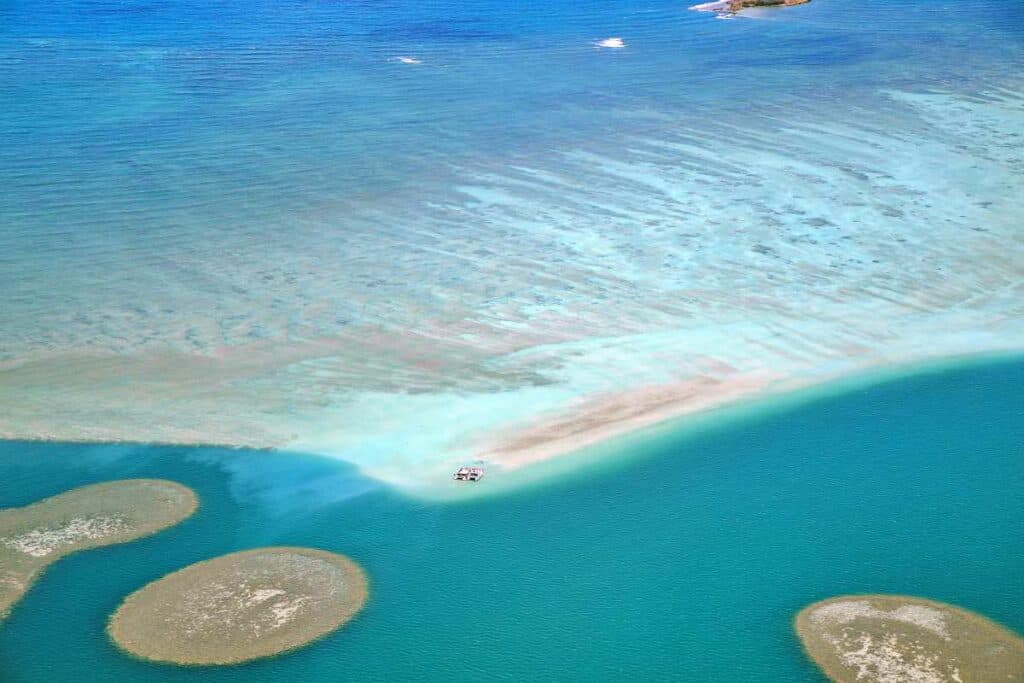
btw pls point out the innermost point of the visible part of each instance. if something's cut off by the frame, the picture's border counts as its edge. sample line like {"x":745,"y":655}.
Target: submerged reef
{"x":524,"y":306}
{"x":890,"y":638}
{"x":35,"y":536}
{"x":241,"y":606}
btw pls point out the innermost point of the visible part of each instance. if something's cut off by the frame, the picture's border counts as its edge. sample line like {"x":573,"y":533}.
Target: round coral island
{"x":891,"y":638}
{"x":37,"y":535}
{"x":239,"y":607}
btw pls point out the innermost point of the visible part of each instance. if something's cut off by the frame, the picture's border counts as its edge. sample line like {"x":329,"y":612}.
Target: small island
{"x":881,"y":638}
{"x":732,"y":7}
{"x":37,"y":535}
{"x":242,"y":606}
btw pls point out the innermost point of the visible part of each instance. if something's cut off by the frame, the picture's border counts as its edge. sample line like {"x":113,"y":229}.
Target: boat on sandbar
{"x":469,"y":474}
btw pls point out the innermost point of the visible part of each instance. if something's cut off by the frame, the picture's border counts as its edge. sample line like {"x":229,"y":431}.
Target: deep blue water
{"x":684,"y":559}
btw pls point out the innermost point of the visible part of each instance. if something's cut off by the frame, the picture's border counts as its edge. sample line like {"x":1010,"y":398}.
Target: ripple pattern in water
{"x":264,"y":228}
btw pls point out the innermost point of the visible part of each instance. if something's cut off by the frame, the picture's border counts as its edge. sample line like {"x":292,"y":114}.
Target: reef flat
{"x":891,"y":638}
{"x":242,"y":606}
{"x":837,"y":276}
{"x":37,"y":535}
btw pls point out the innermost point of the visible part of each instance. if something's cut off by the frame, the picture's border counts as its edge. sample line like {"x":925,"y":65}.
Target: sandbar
{"x":606,"y":417}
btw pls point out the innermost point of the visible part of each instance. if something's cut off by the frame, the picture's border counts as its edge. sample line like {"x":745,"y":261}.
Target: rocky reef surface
{"x":242,"y":606}
{"x":37,"y":535}
{"x":892,"y":638}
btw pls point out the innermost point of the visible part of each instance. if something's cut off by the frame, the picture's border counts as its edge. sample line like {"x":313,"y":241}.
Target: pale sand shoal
{"x":602,"y":418}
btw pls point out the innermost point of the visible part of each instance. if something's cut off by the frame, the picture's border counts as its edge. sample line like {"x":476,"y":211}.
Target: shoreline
{"x":603,"y":418}
{"x":596,"y":430}
{"x":684,"y":402}
{"x":614,"y":441}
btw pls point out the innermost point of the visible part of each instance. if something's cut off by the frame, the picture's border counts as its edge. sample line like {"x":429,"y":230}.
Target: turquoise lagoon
{"x":683,"y":557}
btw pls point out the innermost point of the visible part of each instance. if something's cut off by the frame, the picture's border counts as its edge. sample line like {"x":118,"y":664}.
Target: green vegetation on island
{"x":241,"y":606}
{"x":37,"y":535}
{"x":732,"y":7}
{"x":737,"y":5}
{"x":890,"y":638}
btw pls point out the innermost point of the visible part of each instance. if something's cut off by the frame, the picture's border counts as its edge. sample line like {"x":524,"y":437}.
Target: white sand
{"x":608,"y":416}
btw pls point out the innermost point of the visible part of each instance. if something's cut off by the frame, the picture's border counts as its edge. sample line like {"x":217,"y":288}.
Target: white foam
{"x":407,"y":60}
{"x":614,"y":43}
{"x":717,"y":6}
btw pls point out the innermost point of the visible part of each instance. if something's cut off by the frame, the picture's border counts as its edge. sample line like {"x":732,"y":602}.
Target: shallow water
{"x":683,"y":559}
{"x":256,"y":226}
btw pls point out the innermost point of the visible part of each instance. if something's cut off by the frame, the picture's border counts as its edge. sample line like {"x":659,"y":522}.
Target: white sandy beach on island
{"x":617,"y":285}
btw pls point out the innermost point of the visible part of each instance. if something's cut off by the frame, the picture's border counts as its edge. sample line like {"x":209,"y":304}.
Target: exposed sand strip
{"x":603,"y":418}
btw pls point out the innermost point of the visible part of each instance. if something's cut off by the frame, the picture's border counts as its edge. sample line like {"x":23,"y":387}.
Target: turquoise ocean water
{"x":252,"y":222}
{"x":683,"y":559}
